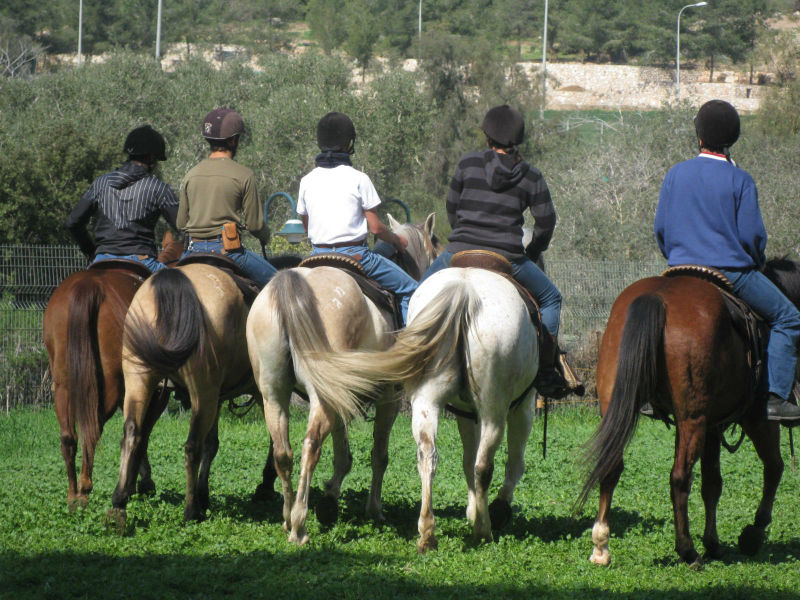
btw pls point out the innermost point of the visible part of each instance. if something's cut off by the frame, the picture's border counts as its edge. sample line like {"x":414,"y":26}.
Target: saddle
{"x":383,"y":299}
{"x":750,"y":325}
{"x":247,"y":286}
{"x":131,"y":267}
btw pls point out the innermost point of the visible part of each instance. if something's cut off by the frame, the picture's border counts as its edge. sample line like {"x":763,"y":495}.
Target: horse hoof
{"x":713,"y":551}
{"x":327,"y":510}
{"x":696,"y":564}
{"x":430,"y":544}
{"x":116,"y":520}
{"x":193,"y":514}
{"x":299,"y":539}
{"x":602,"y":558}
{"x":751,"y":539}
{"x":263,"y":494}
{"x":499,"y":513}
{"x":146,"y":487}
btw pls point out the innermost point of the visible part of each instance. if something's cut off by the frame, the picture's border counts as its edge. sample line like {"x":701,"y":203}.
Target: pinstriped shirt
{"x":488,"y":195}
{"x":127,"y":204}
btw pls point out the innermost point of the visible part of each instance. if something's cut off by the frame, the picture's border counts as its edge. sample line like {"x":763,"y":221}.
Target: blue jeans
{"x":149,"y":262}
{"x":532,"y":279}
{"x":251,"y":264}
{"x":784,"y":323}
{"x":385,"y":272}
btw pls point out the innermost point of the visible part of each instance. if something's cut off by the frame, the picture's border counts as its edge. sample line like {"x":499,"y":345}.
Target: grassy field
{"x":242,"y":552}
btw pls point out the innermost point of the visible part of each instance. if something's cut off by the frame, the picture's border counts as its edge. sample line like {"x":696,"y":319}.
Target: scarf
{"x":330,"y":159}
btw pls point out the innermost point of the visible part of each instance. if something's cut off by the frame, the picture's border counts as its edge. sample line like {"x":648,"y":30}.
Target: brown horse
{"x":671,"y":341}
{"x":83,"y":336}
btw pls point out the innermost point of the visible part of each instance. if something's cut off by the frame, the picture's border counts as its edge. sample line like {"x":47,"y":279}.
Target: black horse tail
{"x":180,"y":325}
{"x":84,"y":371}
{"x":641,"y":353}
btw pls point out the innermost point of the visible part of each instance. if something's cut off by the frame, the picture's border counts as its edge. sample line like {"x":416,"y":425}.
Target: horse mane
{"x":785,"y":274}
{"x":423,"y":249}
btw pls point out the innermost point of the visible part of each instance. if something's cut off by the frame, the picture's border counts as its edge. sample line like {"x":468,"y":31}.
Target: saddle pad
{"x":247,"y":286}
{"x":134,"y":267}
{"x":482,"y":259}
{"x":383,"y":299}
{"x":701,"y":272}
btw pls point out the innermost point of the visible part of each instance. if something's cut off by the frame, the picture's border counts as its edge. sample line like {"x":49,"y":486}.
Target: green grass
{"x":241,"y":551}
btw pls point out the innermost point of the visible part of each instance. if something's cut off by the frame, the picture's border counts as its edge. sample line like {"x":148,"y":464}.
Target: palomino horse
{"x":469,"y":344}
{"x":83,"y":336}
{"x":301,"y":313}
{"x":671,"y":341}
{"x":186,"y":324}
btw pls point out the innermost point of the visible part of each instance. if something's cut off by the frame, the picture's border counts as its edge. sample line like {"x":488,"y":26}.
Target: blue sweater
{"x":708,"y":214}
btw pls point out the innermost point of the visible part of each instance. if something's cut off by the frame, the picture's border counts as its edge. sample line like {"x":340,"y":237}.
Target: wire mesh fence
{"x":30,"y":274}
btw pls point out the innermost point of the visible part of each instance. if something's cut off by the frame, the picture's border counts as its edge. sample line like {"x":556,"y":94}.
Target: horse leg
{"x":327,"y":509}
{"x":276,"y":414}
{"x":69,"y":442}
{"x":689,"y":443}
{"x":321,"y":420}
{"x":425,"y":425}
{"x":491,"y":436}
{"x":766,"y":441}
{"x":205,"y":412}
{"x":210,"y":449}
{"x":469,"y":432}
{"x":711,"y":489}
{"x":600,"y":530}
{"x":520,"y":421}
{"x":265,"y":490}
{"x":158,"y":403}
{"x":386,"y":410}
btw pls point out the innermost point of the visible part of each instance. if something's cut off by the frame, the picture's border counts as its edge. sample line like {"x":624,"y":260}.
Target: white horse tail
{"x":301,"y":322}
{"x":435,"y":337}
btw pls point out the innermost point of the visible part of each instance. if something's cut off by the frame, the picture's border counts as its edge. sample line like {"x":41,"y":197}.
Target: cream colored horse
{"x":303,"y":312}
{"x":469,"y":343}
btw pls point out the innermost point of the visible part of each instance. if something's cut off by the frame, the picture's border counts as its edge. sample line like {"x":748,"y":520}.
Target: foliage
{"x":241,"y":549}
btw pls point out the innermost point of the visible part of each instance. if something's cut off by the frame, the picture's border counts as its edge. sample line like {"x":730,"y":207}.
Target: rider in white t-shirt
{"x":337,"y":204}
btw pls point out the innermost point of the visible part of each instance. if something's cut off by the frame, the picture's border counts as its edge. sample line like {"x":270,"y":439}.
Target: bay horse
{"x":186,"y":324}
{"x":301,"y":314}
{"x":671,"y":341}
{"x":469,"y":345}
{"x":82,"y":330}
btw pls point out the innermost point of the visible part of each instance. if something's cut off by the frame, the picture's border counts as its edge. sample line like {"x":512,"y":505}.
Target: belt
{"x":360,"y":242}
{"x":212,"y":239}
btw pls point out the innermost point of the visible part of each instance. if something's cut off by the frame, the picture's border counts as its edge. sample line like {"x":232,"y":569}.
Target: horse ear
{"x":430,"y":223}
{"x":393,"y":224}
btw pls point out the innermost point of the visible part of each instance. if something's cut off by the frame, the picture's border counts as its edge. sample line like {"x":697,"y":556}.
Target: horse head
{"x":423,"y":245}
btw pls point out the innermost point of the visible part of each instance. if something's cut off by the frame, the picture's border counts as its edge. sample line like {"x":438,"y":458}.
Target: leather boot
{"x":550,"y":382}
{"x":779,"y":409}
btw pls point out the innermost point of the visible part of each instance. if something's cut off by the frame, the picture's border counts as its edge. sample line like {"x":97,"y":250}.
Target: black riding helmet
{"x":145,"y":141}
{"x":335,"y":132}
{"x":717,"y":125}
{"x":504,"y":125}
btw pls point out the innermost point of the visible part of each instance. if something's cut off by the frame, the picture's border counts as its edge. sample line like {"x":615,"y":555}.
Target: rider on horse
{"x":708,"y":214}
{"x":127,"y":203}
{"x":214,"y":193}
{"x":488,"y":194}
{"x":338,"y":203}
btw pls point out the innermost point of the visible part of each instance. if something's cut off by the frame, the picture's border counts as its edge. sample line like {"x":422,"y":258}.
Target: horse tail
{"x":82,"y":348}
{"x":180,"y":328}
{"x":641,"y":355}
{"x":435,"y":337}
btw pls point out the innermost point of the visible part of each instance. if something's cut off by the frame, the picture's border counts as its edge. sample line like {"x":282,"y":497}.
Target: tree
{"x":326,"y":18}
{"x":362,"y":32}
{"x":18,"y":52}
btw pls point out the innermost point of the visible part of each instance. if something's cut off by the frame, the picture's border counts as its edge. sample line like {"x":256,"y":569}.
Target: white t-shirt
{"x":335,"y":200}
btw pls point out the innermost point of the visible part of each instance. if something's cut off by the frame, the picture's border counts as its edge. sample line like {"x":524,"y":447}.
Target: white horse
{"x":300,"y":313}
{"x":470,"y":344}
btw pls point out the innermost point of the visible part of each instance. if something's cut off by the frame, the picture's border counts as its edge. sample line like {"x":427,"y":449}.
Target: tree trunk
{"x":711,"y":70}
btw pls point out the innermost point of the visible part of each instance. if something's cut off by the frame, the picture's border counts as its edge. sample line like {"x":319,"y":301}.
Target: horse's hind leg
{"x":425,"y":425}
{"x":711,"y":489}
{"x":766,"y":440}
{"x":205,"y":412}
{"x":321,"y":420}
{"x":327,"y":509}
{"x":69,"y":441}
{"x":600,"y":530}
{"x":469,"y":431}
{"x":386,"y":410}
{"x":519,"y":422}
{"x":210,"y":449}
{"x":491,"y":436}
{"x":276,"y":414}
{"x":689,"y":444}
{"x":158,"y":404}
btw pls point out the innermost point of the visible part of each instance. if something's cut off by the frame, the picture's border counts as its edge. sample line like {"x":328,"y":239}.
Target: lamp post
{"x":419,"y":24}
{"x":158,"y":31}
{"x":293,"y":229}
{"x":678,"y":49}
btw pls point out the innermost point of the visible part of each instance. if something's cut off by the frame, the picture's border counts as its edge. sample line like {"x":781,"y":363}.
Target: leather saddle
{"x":247,"y":286}
{"x":492,"y":261}
{"x":132,"y":267}
{"x":383,"y":299}
{"x":750,"y":325}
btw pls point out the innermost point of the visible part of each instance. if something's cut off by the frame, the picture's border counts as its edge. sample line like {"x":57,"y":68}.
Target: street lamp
{"x":293,"y":230}
{"x":678,"y":49}
{"x":158,"y":31}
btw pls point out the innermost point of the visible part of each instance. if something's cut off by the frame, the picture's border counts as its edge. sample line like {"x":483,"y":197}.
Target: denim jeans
{"x":532,"y":279}
{"x":784,"y":322}
{"x":250,"y":263}
{"x":382,"y":270}
{"x":149,"y":262}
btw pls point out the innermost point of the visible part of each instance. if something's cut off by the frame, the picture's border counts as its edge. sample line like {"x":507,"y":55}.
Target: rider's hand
{"x":402,"y":242}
